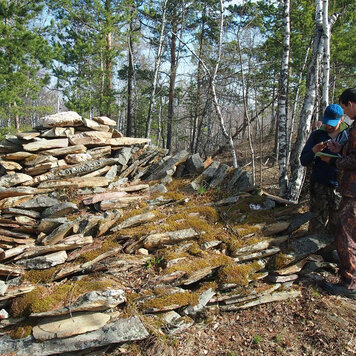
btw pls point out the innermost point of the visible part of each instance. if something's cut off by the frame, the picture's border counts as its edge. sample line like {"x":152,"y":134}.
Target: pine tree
{"x":24,"y":55}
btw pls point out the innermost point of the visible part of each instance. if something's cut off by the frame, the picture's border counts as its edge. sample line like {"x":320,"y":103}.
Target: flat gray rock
{"x":310,"y":244}
{"x":60,"y":210}
{"x":194,"y":165}
{"x":122,"y":330}
{"x":66,"y":326}
{"x":59,"y":233}
{"x":123,"y":155}
{"x":44,"y":262}
{"x":62,"y":119}
{"x":10,"y":180}
{"x":175,"y":323}
{"x":91,"y":301}
{"x":104,"y":120}
{"x":170,"y":163}
{"x":46,"y":144}
{"x":49,"y":224}
{"x":39,"y":202}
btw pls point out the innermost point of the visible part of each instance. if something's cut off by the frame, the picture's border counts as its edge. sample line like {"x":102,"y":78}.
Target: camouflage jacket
{"x":347,"y":165}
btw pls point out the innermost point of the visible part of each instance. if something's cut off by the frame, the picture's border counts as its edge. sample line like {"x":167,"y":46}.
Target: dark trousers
{"x":346,"y":241}
{"x":324,"y":202}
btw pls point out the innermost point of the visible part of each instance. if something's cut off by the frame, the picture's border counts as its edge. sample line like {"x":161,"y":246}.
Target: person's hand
{"x":334,"y":146}
{"x":319,"y":147}
{"x":325,"y":159}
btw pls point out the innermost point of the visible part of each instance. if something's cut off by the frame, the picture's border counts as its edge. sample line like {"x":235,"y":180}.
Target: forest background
{"x":203,"y":75}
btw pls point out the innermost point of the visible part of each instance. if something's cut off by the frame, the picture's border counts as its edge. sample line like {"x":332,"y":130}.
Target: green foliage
{"x":257,"y":339}
{"x":25,"y":53}
{"x":201,"y":190}
{"x":7,"y":130}
{"x":278,"y":339}
{"x":154,"y":262}
{"x":87,"y":38}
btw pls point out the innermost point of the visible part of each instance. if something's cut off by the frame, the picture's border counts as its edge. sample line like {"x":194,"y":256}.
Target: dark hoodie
{"x":322,"y":172}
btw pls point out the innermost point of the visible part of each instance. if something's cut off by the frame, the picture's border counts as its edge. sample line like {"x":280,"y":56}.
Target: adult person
{"x":346,"y":234}
{"x":324,"y":200}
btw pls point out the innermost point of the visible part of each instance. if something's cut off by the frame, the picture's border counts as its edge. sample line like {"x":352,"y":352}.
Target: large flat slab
{"x":122,"y":330}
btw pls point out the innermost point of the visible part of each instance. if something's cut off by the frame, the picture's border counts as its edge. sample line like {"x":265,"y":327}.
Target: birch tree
{"x":283,"y":102}
{"x":226,"y":134}
{"x":156,"y":70}
{"x":326,"y":57}
{"x":297,"y":170}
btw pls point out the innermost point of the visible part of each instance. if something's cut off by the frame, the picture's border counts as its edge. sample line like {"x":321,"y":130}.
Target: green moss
{"x":24,"y":305}
{"x":194,"y":249}
{"x":206,"y":285}
{"x":40,"y":276}
{"x":108,"y":245}
{"x":235,"y":243}
{"x":180,"y":299}
{"x":172,"y":255}
{"x":208,"y":212}
{"x":242,"y":207}
{"x":177,"y":184}
{"x":199,"y":263}
{"x":21,"y":332}
{"x":174,"y":196}
{"x":44,"y":299}
{"x":246,"y":229}
{"x":237,"y":273}
{"x":281,"y":260}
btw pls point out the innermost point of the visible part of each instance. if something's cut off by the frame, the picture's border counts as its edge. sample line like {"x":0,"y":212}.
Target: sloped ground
{"x":312,"y":323}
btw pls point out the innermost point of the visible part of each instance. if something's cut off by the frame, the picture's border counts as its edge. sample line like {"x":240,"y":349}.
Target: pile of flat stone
{"x":106,"y":175}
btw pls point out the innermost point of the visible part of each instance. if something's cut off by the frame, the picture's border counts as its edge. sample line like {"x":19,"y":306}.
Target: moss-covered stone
{"x":43,"y":299}
{"x":174,"y":299}
{"x":108,"y":245}
{"x":21,"y":332}
{"x":174,"y":196}
{"x":40,"y":276}
{"x":235,"y":243}
{"x":191,"y":265}
{"x":240,"y":274}
{"x":281,"y":260}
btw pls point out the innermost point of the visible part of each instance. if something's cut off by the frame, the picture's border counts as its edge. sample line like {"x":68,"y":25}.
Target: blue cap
{"x":332,"y":115}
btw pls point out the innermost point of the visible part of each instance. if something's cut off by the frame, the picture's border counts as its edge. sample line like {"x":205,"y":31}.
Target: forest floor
{"x":313,"y":324}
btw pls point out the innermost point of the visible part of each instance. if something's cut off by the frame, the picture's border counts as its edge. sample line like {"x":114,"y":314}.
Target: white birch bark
{"x":297,"y":170}
{"x":213,"y":88}
{"x":283,"y":103}
{"x":157,"y":66}
{"x":296,"y":100}
{"x":326,"y":57}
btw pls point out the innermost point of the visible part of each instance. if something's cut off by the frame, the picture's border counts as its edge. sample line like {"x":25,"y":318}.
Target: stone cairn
{"x":93,"y":246}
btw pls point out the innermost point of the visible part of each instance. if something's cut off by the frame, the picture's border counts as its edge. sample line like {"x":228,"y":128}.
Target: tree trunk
{"x":215,"y":98}
{"x":246,"y":114}
{"x":194,"y":144}
{"x":326,"y":57}
{"x":294,"y":109}
{"x":130,"y":74}
{"x":297,"y":170}
{"x":17,"y":120}
{"x":157,"y":66}
{"x":172,"y":80}
{"x":283,"y":104}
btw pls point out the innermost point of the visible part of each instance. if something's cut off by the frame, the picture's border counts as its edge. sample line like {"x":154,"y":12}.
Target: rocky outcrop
{"x":97,"y":230}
